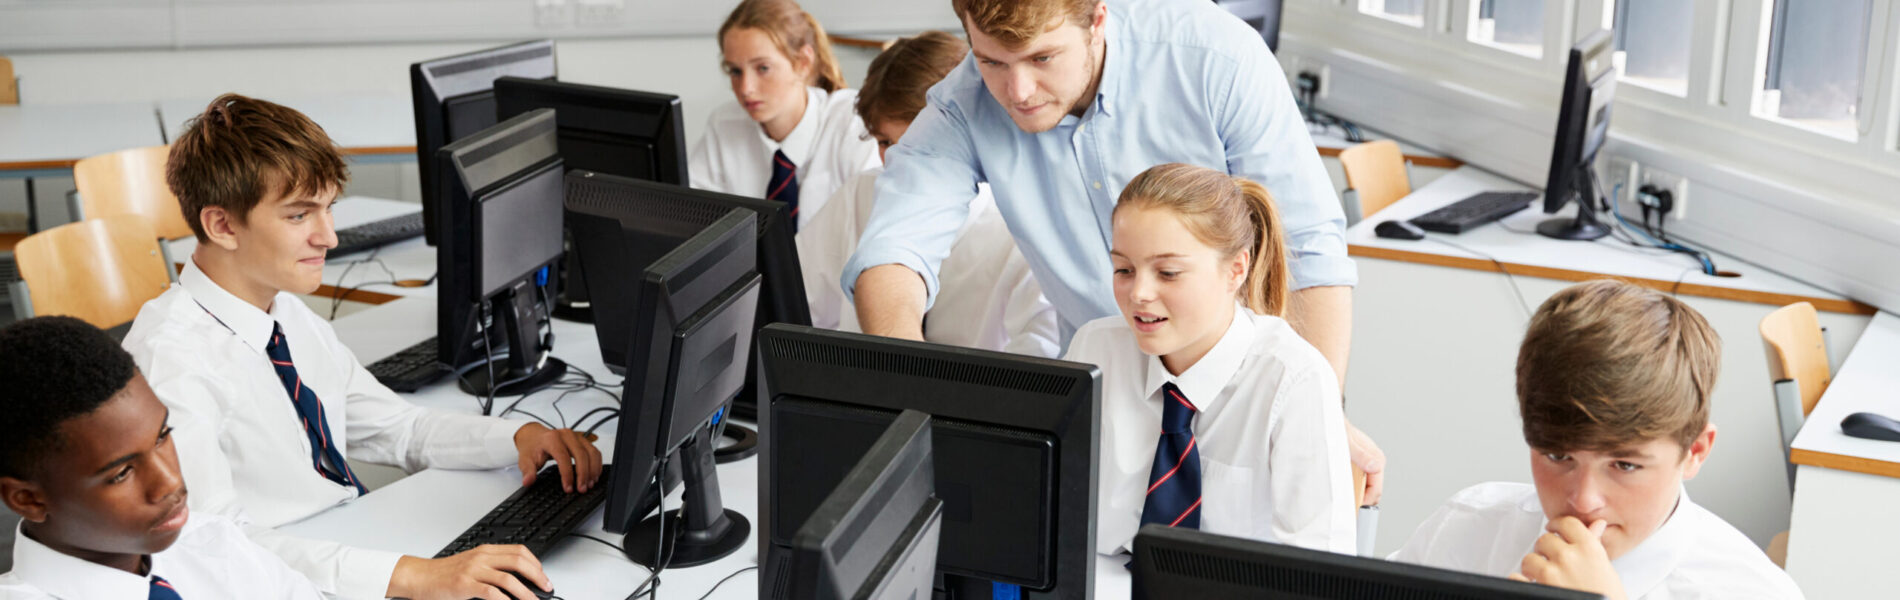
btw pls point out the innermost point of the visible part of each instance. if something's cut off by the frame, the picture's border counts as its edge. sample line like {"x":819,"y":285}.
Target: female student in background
{"x":791,"y":134}
{"x":1216,"y":415}
{"x":990,"y":300}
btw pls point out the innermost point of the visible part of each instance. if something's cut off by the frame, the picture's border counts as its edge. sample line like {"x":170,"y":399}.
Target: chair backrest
{"x":9,"y":87}
{"x":99,"y":270}
{"x":1376,"y":170}
{"x":1796,"y":350}
{"x":131,"y":182}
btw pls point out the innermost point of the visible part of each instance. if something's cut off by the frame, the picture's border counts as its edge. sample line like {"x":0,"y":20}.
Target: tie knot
{"x":162,"y":590}
{"x":276,"y":348}
{"x":1177,"y":413}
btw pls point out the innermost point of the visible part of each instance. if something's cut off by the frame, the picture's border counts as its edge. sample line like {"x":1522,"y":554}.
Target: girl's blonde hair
{"x":791,"y":30}
{"x":1230,"y":214}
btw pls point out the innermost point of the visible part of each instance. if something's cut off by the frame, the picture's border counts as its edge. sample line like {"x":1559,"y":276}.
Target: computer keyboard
{"x":535,"y":516}
{"x":379,"y":233}
{"x":1479,"y":209}
{"x":410,"y":369}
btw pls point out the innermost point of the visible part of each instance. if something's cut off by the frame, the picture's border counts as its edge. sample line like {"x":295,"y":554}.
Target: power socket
{"x":599,"y":13}
{"x":553,"y":14}
{"x":1676,"y":185}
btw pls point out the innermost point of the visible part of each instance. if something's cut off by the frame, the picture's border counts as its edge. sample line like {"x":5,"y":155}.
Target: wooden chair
{"x":9,"y":86}
{"x":1375,"y":177}
{"x":1798,"y":367}
{"x":130,"y":182}
{"x":99,"y":270}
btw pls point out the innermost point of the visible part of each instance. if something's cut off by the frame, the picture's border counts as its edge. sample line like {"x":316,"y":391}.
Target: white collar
{"x":64,"y":576}
{"x":1645,"y":566}
{"x":1203,"y":382}
{"x":252,"y":326}
{"x":798,"y":144}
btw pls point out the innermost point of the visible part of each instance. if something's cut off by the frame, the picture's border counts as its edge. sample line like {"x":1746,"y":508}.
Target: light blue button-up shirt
{"x":1182,"y":81}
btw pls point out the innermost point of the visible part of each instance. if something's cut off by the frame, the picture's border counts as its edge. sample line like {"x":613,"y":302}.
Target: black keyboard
{"x":377,"y":234}
{"x":536,"y":516}
{"x":410,"y":369}
{"x":1479,"y":209}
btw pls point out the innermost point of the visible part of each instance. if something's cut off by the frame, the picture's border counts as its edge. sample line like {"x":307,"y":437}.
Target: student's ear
{"x":220,"y":226}
{"x":1237,"y":271}
{"x":1698,"y":452}
{"x":806,"y":62}
{"x":24,"y":498}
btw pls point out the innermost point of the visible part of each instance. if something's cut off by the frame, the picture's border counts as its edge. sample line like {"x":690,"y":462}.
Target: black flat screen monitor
{"x":1583,"y":122}
{"x":1173,"y":562}
{"x":637,"y":204}
{"x":1262,"y":15}
{"x":453,"y":97}
{"x":501,"y":218}
{"x":694,"y":290}
{"x":1014,"y":438}
{"x":875,"y":537}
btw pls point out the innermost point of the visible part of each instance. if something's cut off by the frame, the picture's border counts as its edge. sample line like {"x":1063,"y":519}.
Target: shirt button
{"x":1079,"y":128}
{"x":1098,"y":185}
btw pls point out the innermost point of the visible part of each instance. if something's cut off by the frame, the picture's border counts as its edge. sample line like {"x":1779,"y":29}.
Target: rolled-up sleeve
{"x":1266,"y":141}
{"x":923,"y":198}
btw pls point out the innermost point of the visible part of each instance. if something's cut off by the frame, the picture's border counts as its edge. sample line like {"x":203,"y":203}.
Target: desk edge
{"x":1841,"y":462}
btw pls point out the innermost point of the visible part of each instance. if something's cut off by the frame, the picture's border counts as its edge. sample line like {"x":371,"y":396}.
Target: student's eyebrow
{"x":163,"y":424}
{"x":1628,"y":453}
{"x":304,"y":204}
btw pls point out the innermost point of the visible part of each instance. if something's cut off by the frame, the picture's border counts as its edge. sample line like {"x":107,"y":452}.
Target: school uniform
{"x":245,"y":443}
{"x":826,"y":150}
{"x":1489,"y":528}
{"x":212,"y":558}
{"x":1267,"y":434}
{"x":990,"y":299}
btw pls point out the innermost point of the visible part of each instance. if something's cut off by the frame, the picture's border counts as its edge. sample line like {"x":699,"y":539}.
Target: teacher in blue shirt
{"x":1060,"y":105}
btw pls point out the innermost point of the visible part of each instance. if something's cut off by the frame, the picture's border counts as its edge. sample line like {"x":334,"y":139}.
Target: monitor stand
{"x":1585,"y":226}
{"x":525,"y":371}
{"x":700,"y":532}
{"x":571,"y":303}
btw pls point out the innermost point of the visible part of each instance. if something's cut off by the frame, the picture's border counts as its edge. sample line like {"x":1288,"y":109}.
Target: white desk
{"x":411,"y":515}
{"x":1841,"y":535}
{"x":44,"y":140}
{"x":371,"y":128}
{"x":363,"y":276}
{"x":1331,"y":140}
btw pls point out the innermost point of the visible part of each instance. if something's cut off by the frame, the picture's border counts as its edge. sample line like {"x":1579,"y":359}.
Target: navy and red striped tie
{"x":162,"y":590}
{"x":1174,"y":483}
{"x":784,"y":185}
{"x":310,"y":412}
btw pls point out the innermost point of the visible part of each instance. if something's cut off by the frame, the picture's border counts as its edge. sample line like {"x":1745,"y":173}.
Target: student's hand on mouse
{"x":486,"y":572}
{"x":577,"y":458}
{"x":1571,"y":556}
{"x":1369,"y":458}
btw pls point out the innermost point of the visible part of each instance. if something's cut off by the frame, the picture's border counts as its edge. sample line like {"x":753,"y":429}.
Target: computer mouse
{"x":538,"y":594}
{"x":1870,"y":426}
{"x":1399,"y":230}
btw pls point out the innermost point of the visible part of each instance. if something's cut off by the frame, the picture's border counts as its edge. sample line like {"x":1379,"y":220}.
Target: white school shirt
{"x":1270,"y":430}
{"x":1488,"y":529}
{"x":829,"y":145}
{"x":211,"y":559}
{"x":241,"y":445}
{"x":990,"y":300}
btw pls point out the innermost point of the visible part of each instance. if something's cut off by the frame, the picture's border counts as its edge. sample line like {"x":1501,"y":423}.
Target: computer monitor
{"x":694,"y":291}
{"x":1014,"y":441}
{"x":605,"y":130}
{"x":1583,"y":122}
{"x":454,"y":97}
{"x":875,"y":537}
{"x":1174,"y":562}
{"x":634,"y":203}
{"x":501,"y":220}
{"x":1262,"y":15}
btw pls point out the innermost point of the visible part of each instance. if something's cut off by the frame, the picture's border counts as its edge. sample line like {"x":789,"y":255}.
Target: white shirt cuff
{"x":365,"y":573}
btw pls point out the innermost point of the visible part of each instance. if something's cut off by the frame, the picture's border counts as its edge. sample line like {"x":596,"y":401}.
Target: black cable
{"x":715,"y":586}
{"x":339,"y":292}
{"x":653,"y":573}
{"x":589,"y":537}
{"x":1521,"y":302}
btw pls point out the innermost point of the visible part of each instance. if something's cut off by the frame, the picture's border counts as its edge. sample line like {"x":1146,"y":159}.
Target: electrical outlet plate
{"x":1677,"y":185}
{"x":599,"y":13}
{"x":1619,"y":176}
{"x":553,"y":14}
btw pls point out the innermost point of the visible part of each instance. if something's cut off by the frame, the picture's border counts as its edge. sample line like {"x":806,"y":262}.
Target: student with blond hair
{"x":790,"y":134}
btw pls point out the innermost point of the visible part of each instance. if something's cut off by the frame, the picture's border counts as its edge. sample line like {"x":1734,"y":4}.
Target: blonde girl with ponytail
{"x":791,"y":133}
{"x":1215,"y":413}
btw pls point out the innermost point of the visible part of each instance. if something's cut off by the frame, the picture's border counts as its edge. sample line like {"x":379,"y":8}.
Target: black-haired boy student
{"x":269,"y":404}
{"x":87,"y":460}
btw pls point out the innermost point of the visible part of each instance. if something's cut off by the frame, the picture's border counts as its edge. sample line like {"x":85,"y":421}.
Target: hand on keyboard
{"x":577,"y":458}
{"x":483,"y":572}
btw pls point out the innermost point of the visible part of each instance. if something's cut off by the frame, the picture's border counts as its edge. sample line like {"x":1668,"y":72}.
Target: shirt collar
{"x":1203,"y":382}
{"x":252,"y":326}
{"x":1645,"y":566}
{"x":798,"y":144}
{"x":64,"y":576}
